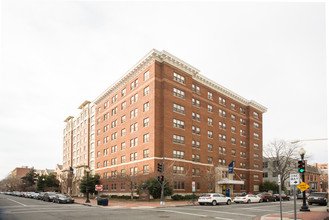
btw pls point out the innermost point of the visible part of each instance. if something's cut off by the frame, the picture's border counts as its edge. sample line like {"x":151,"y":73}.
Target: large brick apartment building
{"x":164,"y":108}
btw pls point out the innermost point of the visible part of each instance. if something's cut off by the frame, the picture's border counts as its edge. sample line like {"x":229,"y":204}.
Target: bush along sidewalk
{"x":178,"y":197}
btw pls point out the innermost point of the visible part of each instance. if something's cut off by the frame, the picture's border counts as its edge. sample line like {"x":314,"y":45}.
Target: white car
{"x":214,"y":199}
{"x":247,"y":199}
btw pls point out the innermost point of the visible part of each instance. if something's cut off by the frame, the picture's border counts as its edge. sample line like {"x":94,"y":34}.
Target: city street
{"x":17,"y":208}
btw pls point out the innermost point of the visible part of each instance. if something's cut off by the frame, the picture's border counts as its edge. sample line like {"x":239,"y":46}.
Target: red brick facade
{"x":215,"y":125}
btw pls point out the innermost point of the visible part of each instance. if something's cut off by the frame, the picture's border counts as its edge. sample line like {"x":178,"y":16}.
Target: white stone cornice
{"x":164,"y":56}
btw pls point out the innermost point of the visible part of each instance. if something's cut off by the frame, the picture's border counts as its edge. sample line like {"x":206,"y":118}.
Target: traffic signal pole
{"x":301,"y":168}
{"x":162,"y":182}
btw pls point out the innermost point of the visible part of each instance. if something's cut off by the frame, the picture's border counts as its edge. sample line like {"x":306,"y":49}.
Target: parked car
{"x":214,"y":199}
{"x":40,"y":195}
{"x":284,"y":197}
{"x":249,"y":198}
{"x":34,"y":195}
{"x":267,"y":197}
{"x":49,"y":196}
{"x":62,"y":198}
{"x":320,"y":198}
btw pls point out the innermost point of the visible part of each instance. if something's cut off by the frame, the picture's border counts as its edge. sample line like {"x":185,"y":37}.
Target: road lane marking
{"x":186,"y":213}
{"x":230,"y":213}
{"x":17,"y":202}
{"x":39,"y":211}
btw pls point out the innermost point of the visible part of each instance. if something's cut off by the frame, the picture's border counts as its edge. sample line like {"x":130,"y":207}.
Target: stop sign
{"x":99,"y":187}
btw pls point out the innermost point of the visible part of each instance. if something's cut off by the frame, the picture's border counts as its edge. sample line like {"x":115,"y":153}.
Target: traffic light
{"x":301,"y":166}
{"x":159,"y":167}
{"x":160,"y":179}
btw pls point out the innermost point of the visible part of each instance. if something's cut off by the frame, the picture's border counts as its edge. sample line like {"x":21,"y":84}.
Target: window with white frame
{"x":178,"y":123}
{"x":179,"y":78}
{"x":146,"y":122}
{"x":178,"y":139}
{"x":146,"y":153}
{"x":146,"y":90}
{"x":179,"y":93}
{"x":146,"y":138}
{"x":146,"y":75}
{"x":209,"y":95}
{"x":178,"y":108}
{"x":146,"y":106}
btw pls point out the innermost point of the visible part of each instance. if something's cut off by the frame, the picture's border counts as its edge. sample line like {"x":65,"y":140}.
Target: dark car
{"x":40,"y":196}
{"x":320,"y":198}
{"x":284,"y":197}
{"x":49,"y":196}
{"x":62,"y":198}
{"x":267,"y":197}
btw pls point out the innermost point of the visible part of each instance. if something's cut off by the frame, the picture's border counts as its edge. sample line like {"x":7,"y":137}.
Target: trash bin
{"x":99,"y":201}
{"x":105,"y":202}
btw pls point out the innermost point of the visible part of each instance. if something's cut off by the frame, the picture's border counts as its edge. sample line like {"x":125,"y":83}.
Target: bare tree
{"x":208,"y":178}
{"x":283,"y":155}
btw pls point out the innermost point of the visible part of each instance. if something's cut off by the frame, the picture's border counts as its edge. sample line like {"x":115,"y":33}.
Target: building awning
{"x":233,"y":182}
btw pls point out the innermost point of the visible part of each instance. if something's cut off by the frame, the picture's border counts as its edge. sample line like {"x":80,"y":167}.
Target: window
{"x":210,"y":134}
{"x":256,"y":177}
{"x":178,"y":154}
{"x":196,"y":102}
{"x":123,"y":119}
{"x":179,"y":78}
{"x":243,"y":155}
{"x":242,"y":132}
{"x":256,"y":136}
{"x":123,"y":132}
{"x":233,"y":106}
{"x":179,"y":185}
{"x":123,"y":172}
{"x":178,"y":139}
{"x":222,"y":137}
{"x":133,"y":84}
{"x":114,"y":136}
{"x":123,"y":92}
{"x":256,"y":125}
{"x":233,"y":129}
{"x":114,"y":124}
{"x":114,"y":98}
{"x":146,"y":75}
{"x":133,"y":113}
{"x":114,"y":111}
{"x":195,"y":116}
{"x":179,"y":93}
{"x":233,"y":153}
{"x":210,"y":121}
{"x":146,"y":138}
{"x":210,"y":160}
{"x":233,"y":117}
{"x":146,"y":153}
{"x":256,"y":146}
{"x":146,"y":122}
{"x":146,"y":106}
{"x":178,"y":108}
{"x":233,"y":141}
{"x":209,"y":108}
{"x":242,"y":111}
{"x":145,"y":169}
{"x":123,"y":145}
{"x":178,"y":123}
{"x":242,"y":121}
{"x":146,"y":90}
{"x":195,"y":144}
{"x":133,"y":99}
{"x":255,"y":114}
{"x":178,"y":170}
{"x":265,"y":175}
{"x":222,"y":101}
{"x":123,"y":159}
{"x":123,"y":105}
{"x":209,"y":95}
{"x":210,"y":147}
{"x":222,"y":113}
{"x":106,"y":104}
{"x":133,"y":142}
{"x":256,"y":156}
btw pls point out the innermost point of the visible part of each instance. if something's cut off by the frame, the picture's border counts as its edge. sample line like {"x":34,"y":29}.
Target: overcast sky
{"x":57,"y":54}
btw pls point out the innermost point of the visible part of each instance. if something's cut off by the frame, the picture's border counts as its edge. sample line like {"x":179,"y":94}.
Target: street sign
{"x":303,"y":186}
{"x":99,"y":187}
{"x":294,"y":179}
{"x":279,"y":179}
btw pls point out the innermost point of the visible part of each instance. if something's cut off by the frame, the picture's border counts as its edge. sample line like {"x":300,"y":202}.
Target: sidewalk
{"x":313,"y":215}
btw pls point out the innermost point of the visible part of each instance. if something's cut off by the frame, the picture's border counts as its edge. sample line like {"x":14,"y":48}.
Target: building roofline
{"x":84,"y":104}
{"x":164,"y":56}
{"x":68,"y":118}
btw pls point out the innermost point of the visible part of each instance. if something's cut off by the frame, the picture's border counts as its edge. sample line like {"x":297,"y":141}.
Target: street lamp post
{"x":304,"y":207}
{"x":87,"y":200}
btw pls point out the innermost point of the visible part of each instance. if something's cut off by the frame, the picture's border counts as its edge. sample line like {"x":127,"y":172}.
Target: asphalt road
{"x":17,"y":208}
